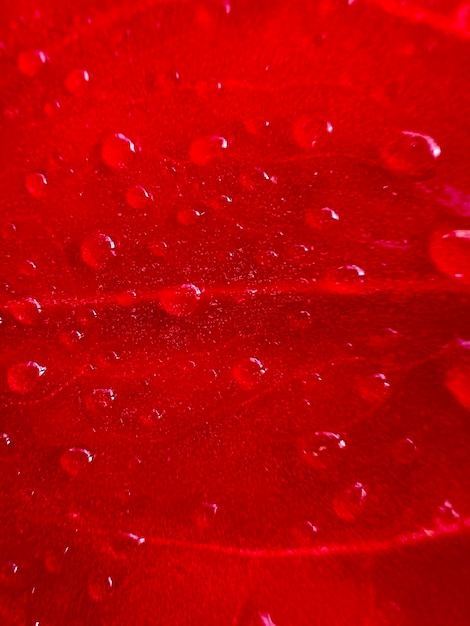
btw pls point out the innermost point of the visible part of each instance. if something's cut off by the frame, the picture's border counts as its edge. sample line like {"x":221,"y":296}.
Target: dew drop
{"x":54,"y":560}
{"x":249,"y":372}
{"x":24,"y":377}
{"x":159,"y":249}
{"x":345,"y":274}
{"x":450,"y":251}
{"x":374,"y":388}
{"x":411,"y":154}
{"x":137,"y":197}
{"x":405,"y":451}
{"x":98,"y":250}
{"x":71,"y":338}
{"x":100,"y":401}
{"x":27,"y":268}
{"x":308,"y":131}
{"x":30,"y":62}
{"x":447,"y":516}
{"x":458,"y":383}
{"x":77,"y":81}
{"x":322,"y":450}
{"x":180,"y":300}
{"x":322,"y":218}
{"x":350,"y":503}
{"x":25,"y":311}
{"x":75,"y":460}
{"x":205,"y":149}
{"x":126,"y":298}
{"x":118,"y":151}
{"x":5,"y":443}
{"x":100,"y":586}
{"x":125,"y":542}
{"x":36,"y":184}
{"x":189,"y":217}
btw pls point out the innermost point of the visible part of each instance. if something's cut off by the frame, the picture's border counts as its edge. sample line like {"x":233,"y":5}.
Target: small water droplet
{"x":450,"y":251}
{"x":54,"y":560}
{"x":411,"y":154}
{"x":322,"y":450}
{"x":25,"y":311}
{"x":100,"y":401}
{"x":5,"y":443}
{"x":27,"y":268}
{"x":405,"y":451}
{"x":180,"y":300}
{"x":71,"y":338}
{"x":447,"y":516}
{"x":346,"y":274}
{"x":36,"y":184}
{"x":100,"y":586}
{"x":24,"y":377}
{"x":98,"y":250}
{"x":350,"y":503}
{"x":189,"y":217}
{"x":75,"y":460}
{"x":137,"y":197}
{"x":30,"y":62}
{"x":159,"y":248}
{"x":118,"y":151}
{"x":309,"y":131}
{"x":205,"y":149}
{"x":77,"y":81}
{"x":125,"y":542}
{"x":322,"y":218}
{"x":249,"y":372}
{"x":52,"y":107}
{"x":253,"y":178}
{"x":374,"y":388}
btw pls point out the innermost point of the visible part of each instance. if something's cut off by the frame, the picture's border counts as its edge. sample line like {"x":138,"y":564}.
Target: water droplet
{"x":205,"y":149}
{"x":411,"y":154}
{"x":5,"y":443}
{"x":54,"y":560}
{"x":350,"y":503}
{"x":447,"y":516}
{"x":249,"y":372}
{"x":124,"y":542}
{"x":71,"y":338}
{"x":322,"y":218}
{"x":137,"y":197}
{"x":100,"y":401}
{"x":74,"y":460}
{"x":126,"y":298}
{"x":77,"y":81}
{"x":405,"y":451}
{"x":100,"y":586}
{"x":10,"y":573}
{"x":98,"y":250}
{"x":308,"y":131}
{"x":458,"y":383}
{"x":52,"y":107}
{"x":346,"y":274}
{"x":374,"y":388}
{"x":36,"y":184}
{"x":322,"y":450}
{"x":25,"y":311}
{"x":205,"y":515}
{"x":180,"y":300}
{"x":189,"y":217}
{"x":251,"y":179}
{"x":24,"y":377}
{"x":159,"y":248}
{"x":118,"y":151}
{"x":450,"y":251}
{"x":30,"y":62}
{"x":27,"y":268}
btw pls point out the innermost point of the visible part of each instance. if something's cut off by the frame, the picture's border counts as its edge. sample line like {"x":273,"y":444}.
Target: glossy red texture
{"x":234,"y":292}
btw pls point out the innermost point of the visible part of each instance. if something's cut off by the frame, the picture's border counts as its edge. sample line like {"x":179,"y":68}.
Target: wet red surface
{"x":235,"y":270}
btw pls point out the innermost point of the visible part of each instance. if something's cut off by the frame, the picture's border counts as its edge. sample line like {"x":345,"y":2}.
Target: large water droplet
{"x":98,"y":250}
{"x":31,"y":61}
{"x":77,"y":81}
{"x":180,"y":300}
{"x":249,"y":372}
{"x":205,"y":149}
{"x":411,"y":154}
{"x":118,"y":151}
{"x":36,"y":184}
{"x":137,"y":197}
{"x":24,"y":377}
{"x":350,"y":503}
{"x":450,"y":251}
{"x":26,"y":311}
{"x":75,"y":460}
